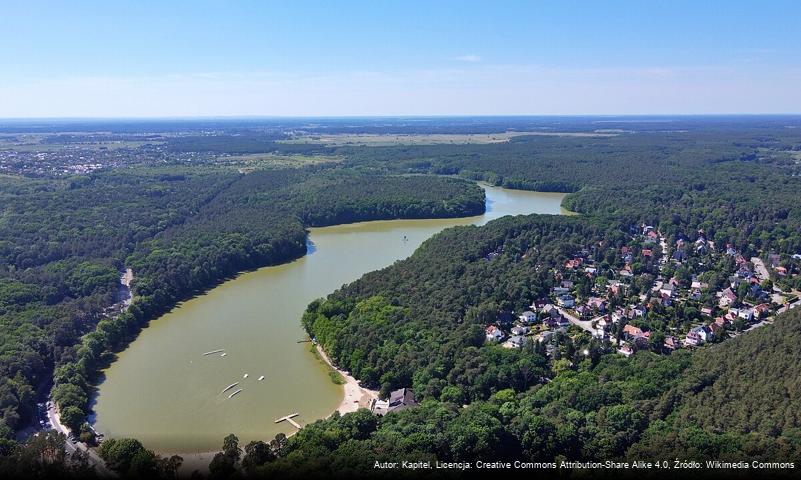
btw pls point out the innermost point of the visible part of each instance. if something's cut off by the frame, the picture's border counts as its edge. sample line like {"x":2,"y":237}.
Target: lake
{"x":163,"y":391}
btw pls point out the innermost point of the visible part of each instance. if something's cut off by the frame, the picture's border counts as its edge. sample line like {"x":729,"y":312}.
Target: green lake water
{"x":164,"y":392}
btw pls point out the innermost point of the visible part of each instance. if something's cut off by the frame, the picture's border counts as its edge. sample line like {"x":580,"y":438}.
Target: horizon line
{"x":358,"y":116}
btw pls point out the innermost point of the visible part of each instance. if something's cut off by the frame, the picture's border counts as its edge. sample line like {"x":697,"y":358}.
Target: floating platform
{"x":229,"y":387}
{"x":288,"y":418}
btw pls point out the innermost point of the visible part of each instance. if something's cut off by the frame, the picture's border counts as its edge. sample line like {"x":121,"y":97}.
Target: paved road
{"x":759,"y":266}
{"x":94,"y":458}
{"x":585,"y":324}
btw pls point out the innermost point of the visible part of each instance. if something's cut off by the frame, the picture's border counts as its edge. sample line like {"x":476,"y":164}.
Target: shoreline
{"x":355,"y":396}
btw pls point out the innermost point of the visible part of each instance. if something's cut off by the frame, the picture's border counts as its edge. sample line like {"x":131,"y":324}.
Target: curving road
{"x":93,"y":458}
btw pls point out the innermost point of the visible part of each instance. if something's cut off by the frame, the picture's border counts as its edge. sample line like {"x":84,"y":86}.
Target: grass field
{"x":250,"y":162}
{"x":430,"y":139}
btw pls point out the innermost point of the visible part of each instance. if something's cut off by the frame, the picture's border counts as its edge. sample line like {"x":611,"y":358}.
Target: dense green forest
{"x":183,"y":228}
{"x":421,"y":321}
{"x":646,"y":406}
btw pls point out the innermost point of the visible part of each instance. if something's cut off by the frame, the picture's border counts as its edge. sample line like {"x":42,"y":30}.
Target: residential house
{"x":597,"y":303}
{"x":757,"y":292}
{"x":667,"y":289}
{"x":520,"y":330}
{"x":698,"y":336}
{"x":516,"y":341}
{"x":706,"y":311}
{"x":400,"y":399}
{"x":528,"y":317}
{"x":671,"y":343}
{"x":566,"y":301}
{"x":615,"y":288}
{"x":551,"y":322}
{"x":551,"y":311}
{"x":583,"y":311}
{"x":727,"y":297}
{"x":494,"y":334}
{"x":560,"y":290}
{"x":746,"y":314}
{"x":546,"y":336}
{"x":632,"y":332}
{"x":762,"y":310}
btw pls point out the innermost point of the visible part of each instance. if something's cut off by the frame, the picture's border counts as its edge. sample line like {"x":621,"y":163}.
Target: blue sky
{"x":173,"y":58}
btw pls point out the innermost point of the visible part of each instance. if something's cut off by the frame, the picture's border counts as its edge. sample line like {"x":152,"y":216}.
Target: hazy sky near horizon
{"x":211,"y":58}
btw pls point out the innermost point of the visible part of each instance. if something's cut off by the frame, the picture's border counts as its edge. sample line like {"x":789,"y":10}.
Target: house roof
{"x":632,"y":330}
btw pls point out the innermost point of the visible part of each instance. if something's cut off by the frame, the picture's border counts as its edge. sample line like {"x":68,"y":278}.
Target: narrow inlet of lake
{"x":163,"y":391}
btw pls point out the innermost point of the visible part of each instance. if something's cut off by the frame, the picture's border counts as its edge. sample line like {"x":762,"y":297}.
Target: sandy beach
{"x":356,"y":396}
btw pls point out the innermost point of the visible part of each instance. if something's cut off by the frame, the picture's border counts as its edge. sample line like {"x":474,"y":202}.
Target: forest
{"x":181,"y":231}
{"x":646,"y":406}
{"x":419,"y":323}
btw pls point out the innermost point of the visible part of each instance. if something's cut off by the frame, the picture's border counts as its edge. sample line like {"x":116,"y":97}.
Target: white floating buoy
{"x":261,"y":378}
{"x":245,"y":376}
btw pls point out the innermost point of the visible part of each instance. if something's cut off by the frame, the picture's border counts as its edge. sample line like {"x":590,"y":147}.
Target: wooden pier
{"x":288,"y":418}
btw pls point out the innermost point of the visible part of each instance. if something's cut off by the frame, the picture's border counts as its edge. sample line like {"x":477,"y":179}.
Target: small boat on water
{"x":224,"y":354}
{"x":232,"y":395}
{"x":229,"y":387}
{"x":261,"y":378}
{"x":215,"y":351}
{"x":245,"y":376}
